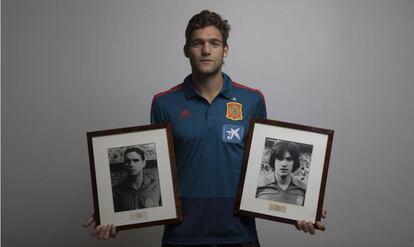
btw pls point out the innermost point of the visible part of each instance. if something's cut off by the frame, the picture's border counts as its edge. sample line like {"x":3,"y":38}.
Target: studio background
{"x":69,"y":67}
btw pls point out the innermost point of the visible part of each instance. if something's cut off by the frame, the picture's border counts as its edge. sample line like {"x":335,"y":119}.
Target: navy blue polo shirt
{"x":209,"y":141}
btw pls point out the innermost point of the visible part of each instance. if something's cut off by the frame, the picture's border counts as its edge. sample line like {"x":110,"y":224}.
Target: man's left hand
{"x":307,"y":226}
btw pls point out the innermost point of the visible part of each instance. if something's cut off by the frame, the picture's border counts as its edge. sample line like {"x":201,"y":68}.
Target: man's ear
{"x":144,"y":162}
{"x":186,"y":52}
{"x":226,"y":51}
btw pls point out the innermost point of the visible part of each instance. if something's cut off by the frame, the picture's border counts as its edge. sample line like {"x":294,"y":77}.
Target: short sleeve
{"x":261,"y":108}
{"x":156,"y":113}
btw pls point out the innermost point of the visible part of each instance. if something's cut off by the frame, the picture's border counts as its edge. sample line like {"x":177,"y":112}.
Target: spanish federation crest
{"x":234,"y":111}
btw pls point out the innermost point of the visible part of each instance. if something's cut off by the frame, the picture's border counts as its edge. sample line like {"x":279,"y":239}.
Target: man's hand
{"x":103,"y":232}
{"x":307,"y":226}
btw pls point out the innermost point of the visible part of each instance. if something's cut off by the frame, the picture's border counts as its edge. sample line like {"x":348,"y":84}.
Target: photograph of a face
{"x":134,"y":177}
{"x":284,"y":171}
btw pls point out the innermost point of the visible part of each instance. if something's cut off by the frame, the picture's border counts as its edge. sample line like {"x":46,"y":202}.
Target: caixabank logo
{"x":232,"y":133}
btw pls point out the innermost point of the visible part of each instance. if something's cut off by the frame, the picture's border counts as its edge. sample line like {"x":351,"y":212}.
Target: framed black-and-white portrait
{"x":284,"y":171}
{"x":133,"y":174}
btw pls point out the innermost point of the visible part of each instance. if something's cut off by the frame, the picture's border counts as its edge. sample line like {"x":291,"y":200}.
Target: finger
{"x":88,"y":222}
{"x":113,"y":232}
{"x":101,"y":233}
{"x":320,"y":226}
{"x":299,"y":225}
{"x":305,"y":226}
{"x":105,"y":232}
{"x":311,"y":228}
{"x":96,"y":231}
{"x":108,"y":231}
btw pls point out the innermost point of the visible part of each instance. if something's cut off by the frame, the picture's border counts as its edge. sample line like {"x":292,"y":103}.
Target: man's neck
{"x":136,"y":181}
{"x":208,"y":86}
{"x":284,"y":182}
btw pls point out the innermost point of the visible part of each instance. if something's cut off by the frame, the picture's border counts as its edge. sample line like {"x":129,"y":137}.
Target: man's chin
{"x":207,"y":71}
{"x":133,"y":174}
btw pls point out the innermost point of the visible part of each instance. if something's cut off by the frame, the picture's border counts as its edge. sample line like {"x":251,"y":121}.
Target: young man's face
{"x":134,"y":163}
{"x":284,"y":166}
{"x":206,"y":51}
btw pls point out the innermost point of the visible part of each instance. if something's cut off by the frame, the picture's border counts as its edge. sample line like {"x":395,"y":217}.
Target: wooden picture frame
{"x":133,"y":175}
{"x":284,"y":171}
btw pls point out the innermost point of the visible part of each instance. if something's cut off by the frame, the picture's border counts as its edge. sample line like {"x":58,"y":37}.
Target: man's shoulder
{"x":294,"y":189}
{"x":163,"y":103}
{"x":265,"y":192}
{"x":252,"y":99}
{"x":150,"y":180}
{"x":170,"y":93}
{"x":246,"y":89}
{"x":268,"y":186}
{"x":121,"y":187}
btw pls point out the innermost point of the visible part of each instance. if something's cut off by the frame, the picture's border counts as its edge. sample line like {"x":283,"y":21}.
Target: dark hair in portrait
{"x":136,"y":150}
{"x":279,"y":150}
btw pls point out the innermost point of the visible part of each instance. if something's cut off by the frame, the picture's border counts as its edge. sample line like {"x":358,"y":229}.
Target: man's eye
{"x":288,"y":159}
{"x":133,"y":160}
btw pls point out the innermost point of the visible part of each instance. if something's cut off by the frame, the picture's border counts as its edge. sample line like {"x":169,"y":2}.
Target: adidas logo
{"x":185,"y":113}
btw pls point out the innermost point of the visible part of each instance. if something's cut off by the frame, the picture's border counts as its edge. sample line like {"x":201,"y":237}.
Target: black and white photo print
{"x":134,"y":177}
{"x":284,"y":171}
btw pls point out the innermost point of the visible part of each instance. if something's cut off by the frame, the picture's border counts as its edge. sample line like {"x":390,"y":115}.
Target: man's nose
{"x":206,"y":49}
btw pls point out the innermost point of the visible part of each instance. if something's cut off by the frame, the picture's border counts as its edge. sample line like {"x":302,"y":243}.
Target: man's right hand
{"x":102,"y":232}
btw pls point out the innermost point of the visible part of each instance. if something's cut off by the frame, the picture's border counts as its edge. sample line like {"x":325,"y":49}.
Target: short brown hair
{"x":204,"y":19}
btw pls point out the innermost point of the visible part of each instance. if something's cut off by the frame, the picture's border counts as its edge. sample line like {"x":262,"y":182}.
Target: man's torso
{"x":209,"y":142}
{"x":147,"y":196}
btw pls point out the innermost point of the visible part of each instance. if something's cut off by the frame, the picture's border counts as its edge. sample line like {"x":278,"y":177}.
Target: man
{"x":137,"y":190}
{"x":210,"y":115}
{"x":284,"y":159}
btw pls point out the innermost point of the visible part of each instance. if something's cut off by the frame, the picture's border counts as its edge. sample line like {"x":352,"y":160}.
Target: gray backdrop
{"x":74,"y":66}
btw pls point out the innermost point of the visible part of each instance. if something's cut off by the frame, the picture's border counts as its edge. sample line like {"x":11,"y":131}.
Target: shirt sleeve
{"x":261,"y":108}
{"x":157,"y":115}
